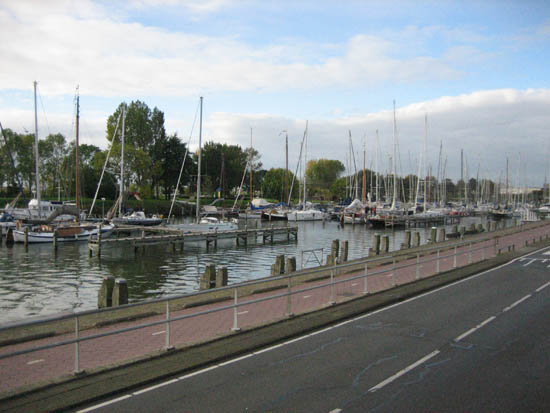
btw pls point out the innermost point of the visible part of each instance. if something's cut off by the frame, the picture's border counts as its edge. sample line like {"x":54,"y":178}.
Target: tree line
{"x":153,"y":160}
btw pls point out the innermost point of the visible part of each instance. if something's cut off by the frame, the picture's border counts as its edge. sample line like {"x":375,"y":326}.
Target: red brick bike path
{"x":44,"y":365}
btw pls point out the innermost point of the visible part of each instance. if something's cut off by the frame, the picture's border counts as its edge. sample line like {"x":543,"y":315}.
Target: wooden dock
{"x":139,"y":236}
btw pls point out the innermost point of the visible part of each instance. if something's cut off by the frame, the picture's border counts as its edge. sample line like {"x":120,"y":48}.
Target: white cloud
{"x":109,"y":57}
{"x":488,"y":125}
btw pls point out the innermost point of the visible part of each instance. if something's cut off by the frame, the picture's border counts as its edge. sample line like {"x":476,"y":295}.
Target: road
{"x":481,"y":344}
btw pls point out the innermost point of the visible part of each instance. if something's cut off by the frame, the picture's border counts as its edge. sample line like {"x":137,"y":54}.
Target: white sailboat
{"x":307,"y":212}
{"x":204,"y":224}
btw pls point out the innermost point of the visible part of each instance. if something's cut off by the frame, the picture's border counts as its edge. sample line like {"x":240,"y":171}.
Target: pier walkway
{"x":139,"y":236}
{"x":38,"y":353}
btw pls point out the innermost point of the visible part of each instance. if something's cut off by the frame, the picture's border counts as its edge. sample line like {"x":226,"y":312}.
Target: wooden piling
{"x":105,"y":293}
{"x":120,"y":292}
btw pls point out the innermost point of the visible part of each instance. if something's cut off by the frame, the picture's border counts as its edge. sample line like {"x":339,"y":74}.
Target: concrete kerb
{"x":74,"y":391}
{"x":132,"y":313}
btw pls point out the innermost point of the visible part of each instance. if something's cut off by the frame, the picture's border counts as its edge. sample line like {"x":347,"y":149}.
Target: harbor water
{"x":36,"y":281}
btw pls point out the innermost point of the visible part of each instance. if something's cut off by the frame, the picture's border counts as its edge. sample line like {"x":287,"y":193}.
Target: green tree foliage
{"x":273,"y":184}
{"x":223,"y":165}
{"x":173,"y":152}
{"x":144,"y":138}
{"x":321,"y":175}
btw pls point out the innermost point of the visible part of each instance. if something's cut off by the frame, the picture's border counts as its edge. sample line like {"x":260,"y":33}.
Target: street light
{"x":102,"y":208}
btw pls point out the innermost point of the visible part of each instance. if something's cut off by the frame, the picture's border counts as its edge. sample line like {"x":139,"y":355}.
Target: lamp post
{"x":102,"y":208}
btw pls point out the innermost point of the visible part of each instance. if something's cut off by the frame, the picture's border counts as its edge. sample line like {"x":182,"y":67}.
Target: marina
{"x":48,"y":280}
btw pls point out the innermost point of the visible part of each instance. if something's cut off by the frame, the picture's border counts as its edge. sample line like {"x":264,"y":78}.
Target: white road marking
{"x":157,"y":386}
{"x":529,"y":263}
{"x":242,"y":312}
{"x":97,"y":406}
{"x":546,"y":253}
{"x":404,"y":371}
{"x":517,"y":302}
{"x":542,"y":287}
{"x":198,"y":372}
{"x":337,"y":325}
{"x":521,"y":259}
{"x":306,"y":296}
{"x":158,"y":332}
{"x":335,"y":411}
{"x":354,"y":284}
{"x":470,"y":331}
{"x":544,"y":261}
{"x":30,"y":363}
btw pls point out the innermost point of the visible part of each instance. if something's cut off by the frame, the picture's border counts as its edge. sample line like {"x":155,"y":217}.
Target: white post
{"x":331,"y":300}
{"x":365,"y":286}
{"x":167,"y":345}
{"x":76,"y":346}
{"x":289,"y":298}
{"x":235,"y":309}
{"x":454,"y":258}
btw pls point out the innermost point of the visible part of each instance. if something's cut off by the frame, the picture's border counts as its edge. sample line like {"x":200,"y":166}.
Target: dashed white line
{"x":544,"y":261}
{"x":517,"y":302}
{"x":30,"y":363}
{"x":404,"y":371}
{"x":470,"y":331}
{"x":529,"y":263}
{"x":542,"y":287}
{"x":546,"y":253}
{"x":97,"y":406}
{"x":335,"y":411}
{"x":158,"y":332}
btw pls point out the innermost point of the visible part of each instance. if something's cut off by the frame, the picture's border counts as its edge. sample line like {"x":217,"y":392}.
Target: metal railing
{"x":389,"y":263}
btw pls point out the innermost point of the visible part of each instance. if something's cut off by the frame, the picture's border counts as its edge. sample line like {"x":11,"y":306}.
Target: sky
{"x":478,"y":70}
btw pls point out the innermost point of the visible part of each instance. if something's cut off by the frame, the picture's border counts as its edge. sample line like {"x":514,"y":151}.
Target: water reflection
{"x":36,"y":281}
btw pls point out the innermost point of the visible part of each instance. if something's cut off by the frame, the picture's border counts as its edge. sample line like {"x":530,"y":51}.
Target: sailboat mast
{"x":77,"y":199}
{"x":37,"y":176}
{"x":122,"y":161}
{"x":286,"y":170}
{"x":198,"y":205}
{"x":250,"y":162}
{"x":425,"y":159}
{"x":377,"y":171}
{"x":305,"y":168}
{"x":364,"y":170}
{"x":394,"y":162}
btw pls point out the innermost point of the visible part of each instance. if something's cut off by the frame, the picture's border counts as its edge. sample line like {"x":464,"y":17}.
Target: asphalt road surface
{"x":478,"y":345}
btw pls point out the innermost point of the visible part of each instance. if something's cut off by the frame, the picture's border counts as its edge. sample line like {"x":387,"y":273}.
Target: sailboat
{"x":64,"y":232}
{"x":306,"y":211}
{"x":204,"y":224}
{"x":392,"y":217}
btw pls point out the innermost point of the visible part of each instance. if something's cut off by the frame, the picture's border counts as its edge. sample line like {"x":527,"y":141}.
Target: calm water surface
{"x":35,"y":281}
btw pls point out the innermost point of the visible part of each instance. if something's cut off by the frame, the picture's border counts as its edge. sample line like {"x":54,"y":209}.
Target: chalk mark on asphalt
{"x":308,"y":353}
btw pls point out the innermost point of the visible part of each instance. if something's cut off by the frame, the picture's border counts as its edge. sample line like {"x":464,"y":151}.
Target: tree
{"x":173,"y":154}
{"x":321,"y":174}
{"x":144,"y":139}
{"x":273,"y":184}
